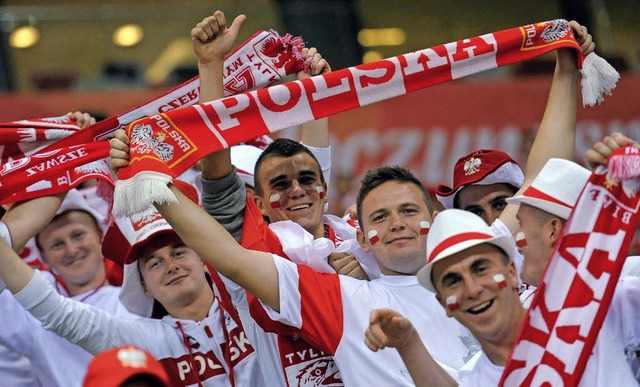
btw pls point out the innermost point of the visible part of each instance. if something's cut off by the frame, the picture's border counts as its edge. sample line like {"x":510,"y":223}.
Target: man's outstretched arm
{"x":253,"y":270}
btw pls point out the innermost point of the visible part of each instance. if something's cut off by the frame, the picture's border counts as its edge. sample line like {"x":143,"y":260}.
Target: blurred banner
{"x":426,"y":131}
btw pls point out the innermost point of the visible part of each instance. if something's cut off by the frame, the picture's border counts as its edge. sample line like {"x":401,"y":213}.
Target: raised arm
{"x":557,"y":132}
{"x":254,"y":271}
{"x":212,"y":41}
{"x":24,"y":220}
{"x":388,"y":328}
{"x":315,"y":133}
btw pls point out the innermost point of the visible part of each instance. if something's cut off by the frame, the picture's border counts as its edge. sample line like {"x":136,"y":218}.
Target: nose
{"x":473,"y":287}
{"x":491,"y":216}
{"x":397,"y":222}
{"x":296,"y":190}
{"x":72,"y":248}
{"x":172,"y":265}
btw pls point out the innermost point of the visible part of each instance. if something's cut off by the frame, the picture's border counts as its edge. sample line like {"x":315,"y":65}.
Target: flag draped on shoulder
{"x":166,"y":144}
{"x":565,"y":317}
{"x":46,"y":156}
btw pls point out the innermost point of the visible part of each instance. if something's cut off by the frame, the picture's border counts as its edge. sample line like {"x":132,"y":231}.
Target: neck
{"x":196,"y":309}
{"x":498,"y":350}
{"x":318,"y":231}
{"x":97,"y":282}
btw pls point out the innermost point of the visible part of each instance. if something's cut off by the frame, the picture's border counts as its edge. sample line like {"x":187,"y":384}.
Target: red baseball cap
{"x":113,"y":367}
{"x":481,"y":167}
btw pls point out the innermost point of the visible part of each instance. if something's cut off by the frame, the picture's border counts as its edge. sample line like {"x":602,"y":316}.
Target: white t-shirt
{"x":607,"y":365}
{"x":215,"y":343}
{"x":23,"y":334}
{"x":332,"y":312}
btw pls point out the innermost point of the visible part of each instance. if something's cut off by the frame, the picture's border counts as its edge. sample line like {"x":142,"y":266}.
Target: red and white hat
{"x":556,"y":188}
{"x":482,"y":167}
{"x":455,"y":230}
{"x":125,"y":241}
{"x":113,"y":367}
{"x":244,"y":157}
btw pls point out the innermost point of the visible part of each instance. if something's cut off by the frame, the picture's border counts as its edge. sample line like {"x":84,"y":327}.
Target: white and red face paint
{"x":452,"y":303}
{"x":320,"y":191}
{"x":424,"y":227}
{"x":500,"y":280}
{"x":373,"y":237}
{"x":275,"y":201}
{"x":521,"y":240}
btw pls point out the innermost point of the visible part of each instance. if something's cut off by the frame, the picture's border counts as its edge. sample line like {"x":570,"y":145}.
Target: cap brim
{"x":541,"y":204}
{"x":504,"y":242}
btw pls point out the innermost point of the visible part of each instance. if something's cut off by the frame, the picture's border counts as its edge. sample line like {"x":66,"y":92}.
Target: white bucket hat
{"x":556,"y":188}
{"x":456,"y":230}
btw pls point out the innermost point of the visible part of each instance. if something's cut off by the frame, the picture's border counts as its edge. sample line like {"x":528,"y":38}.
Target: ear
{"x":362,"y":242}
{"x":260,"y":203}
{"x":555,"y":230}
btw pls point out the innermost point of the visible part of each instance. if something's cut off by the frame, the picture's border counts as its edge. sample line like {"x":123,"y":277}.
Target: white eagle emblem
{"x":555,"y":30}
{"x":143,"y":141}
{"x":472,"y":165}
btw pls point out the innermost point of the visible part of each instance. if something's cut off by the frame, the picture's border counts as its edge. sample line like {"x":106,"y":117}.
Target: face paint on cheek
{"x":320,"y":191}
{"x":424,"y":227}
{"x":452,"y":303}
{"x":500,"y":280}
{"x":275,"y":201}
{"x":521,"y":240}
{"x":373,"y":237}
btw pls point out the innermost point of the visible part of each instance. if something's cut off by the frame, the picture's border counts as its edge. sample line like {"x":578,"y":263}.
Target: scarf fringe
{"x":104,"y":190}
{"x":599,"y":78}
{"x":134,"y":195}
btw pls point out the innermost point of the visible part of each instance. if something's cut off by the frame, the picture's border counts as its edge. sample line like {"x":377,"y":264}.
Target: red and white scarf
{"x":565,"y":317}
{"x":165,"y":145}
{"x":52,"y":151}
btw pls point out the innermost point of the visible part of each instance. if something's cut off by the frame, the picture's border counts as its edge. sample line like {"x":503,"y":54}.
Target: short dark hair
{"x":376,"y":177}
{"x":281,"y":147}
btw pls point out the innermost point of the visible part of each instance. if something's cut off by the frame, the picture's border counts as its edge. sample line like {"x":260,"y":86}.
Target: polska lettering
{"x":207,"y":365}
{"x":177,"y":137}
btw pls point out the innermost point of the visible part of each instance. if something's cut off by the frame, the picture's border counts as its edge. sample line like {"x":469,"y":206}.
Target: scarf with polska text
{"x":168,"y":150}
{"x":572,"y":301}
{"x":165,"y":145}
{"x":46,"y":156}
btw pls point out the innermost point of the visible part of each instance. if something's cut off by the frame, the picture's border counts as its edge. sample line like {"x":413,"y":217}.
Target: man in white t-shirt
{"x":331,"y":311}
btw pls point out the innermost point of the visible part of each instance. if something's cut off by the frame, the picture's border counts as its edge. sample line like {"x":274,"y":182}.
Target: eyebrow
{"x":479,"y":262}
{"x":474,"y":266}
{"x":497,"y":198}
{"x":307,"y":172}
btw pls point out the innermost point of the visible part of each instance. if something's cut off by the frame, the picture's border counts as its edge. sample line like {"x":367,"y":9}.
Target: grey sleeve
{"x":225,"y":200}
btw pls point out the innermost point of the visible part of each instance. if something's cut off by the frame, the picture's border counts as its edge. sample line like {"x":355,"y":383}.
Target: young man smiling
{"x":331,"y":311}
